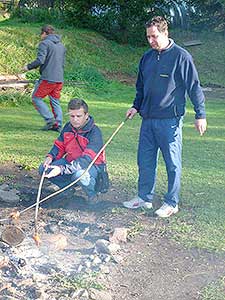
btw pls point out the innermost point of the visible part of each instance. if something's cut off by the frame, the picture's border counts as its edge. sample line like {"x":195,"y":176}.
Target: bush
{"x":14,"y":98}
{"x":115,"y":20}
{"x":87,"y":74}
{"x":112,"y":28}
{"x":38,"y":15}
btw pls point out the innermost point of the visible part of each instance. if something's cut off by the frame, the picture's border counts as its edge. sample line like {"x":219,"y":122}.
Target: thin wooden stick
{"x":36,"y":236}
{"x":38,"y":197}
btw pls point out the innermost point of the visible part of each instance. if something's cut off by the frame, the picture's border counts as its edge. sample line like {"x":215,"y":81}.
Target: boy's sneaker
{"x":166,"y":210}
{"x":137,"y":202}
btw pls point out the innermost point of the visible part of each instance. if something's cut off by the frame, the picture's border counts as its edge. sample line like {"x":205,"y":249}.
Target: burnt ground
{"x":150,"y":265}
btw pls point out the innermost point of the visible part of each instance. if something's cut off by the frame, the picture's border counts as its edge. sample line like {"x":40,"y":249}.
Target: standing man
{"x":166,"y":73}
{"x":50,"y":59}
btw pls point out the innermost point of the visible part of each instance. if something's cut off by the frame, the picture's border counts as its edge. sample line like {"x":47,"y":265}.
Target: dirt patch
{"x":121,"y":77}
{"x":164,"y":270}
{"x":149,"y":266}
{"x":212,"y":91}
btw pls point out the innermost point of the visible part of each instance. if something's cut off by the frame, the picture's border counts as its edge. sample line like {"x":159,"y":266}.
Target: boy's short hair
{"x":48,"y":29}
{"x":159,"y":22}
{"x":77,"y":103}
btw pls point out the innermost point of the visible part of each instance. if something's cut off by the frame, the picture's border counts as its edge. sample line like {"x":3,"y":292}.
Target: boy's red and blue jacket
{"x":80,"y":145}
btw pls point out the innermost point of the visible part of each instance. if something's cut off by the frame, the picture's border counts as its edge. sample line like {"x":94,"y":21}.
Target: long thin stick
{"x":66,"y":82}
{"x":88,"y":168}
{"x":38,"y":201}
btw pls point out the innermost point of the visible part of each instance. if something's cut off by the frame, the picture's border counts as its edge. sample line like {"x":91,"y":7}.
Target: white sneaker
{"x":137,"y":202}
{"x":166,"y":210}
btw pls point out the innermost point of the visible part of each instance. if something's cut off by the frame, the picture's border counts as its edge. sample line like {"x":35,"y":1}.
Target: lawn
{"x":200,"y":222}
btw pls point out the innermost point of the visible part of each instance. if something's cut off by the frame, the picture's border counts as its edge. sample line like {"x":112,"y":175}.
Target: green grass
{"x":202,"y":194}
{"x":135,"y":228}
{"x":200,"y":222}
{"x":91,"y":55}
{"x":208,"y":57}
{"x":214,"y":291}
{"x":86,"y":282}
{"x":85,"y":48}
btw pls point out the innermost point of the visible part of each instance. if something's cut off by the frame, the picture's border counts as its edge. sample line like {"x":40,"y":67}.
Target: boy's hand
{"x":47,"y":162}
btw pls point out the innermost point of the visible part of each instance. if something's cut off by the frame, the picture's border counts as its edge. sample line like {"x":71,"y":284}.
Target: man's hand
{"x":47,"y":162}
{"x":200,"y":125}
{"x":131,"y":113}
{"x":21,"y":76}
{"x":25,"y":68}
{"x":54,"y":171}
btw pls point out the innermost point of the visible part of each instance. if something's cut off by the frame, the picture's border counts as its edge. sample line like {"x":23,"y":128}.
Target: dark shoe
{"x":56,"y":128}
{"x":48,"y":126}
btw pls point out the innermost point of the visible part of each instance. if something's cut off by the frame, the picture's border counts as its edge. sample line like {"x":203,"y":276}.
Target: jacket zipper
{"x":79,"y":143}
{"x":175,"y":111}
{"x":158,"y":56}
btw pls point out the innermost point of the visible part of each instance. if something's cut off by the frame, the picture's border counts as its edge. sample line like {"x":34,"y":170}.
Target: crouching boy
{"x":74,"y":149}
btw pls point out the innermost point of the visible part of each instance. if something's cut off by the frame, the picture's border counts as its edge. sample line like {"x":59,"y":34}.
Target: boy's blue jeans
{"x":164,"y":135}
{"x":63,"y":180}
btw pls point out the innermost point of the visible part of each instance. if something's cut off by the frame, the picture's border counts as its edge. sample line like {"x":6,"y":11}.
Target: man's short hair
{"x":159,"y":22}
{"x":48,"y":29}
{"x":77,"y":104}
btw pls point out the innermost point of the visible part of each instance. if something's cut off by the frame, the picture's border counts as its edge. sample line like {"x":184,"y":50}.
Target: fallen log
{"x":24,"y":83}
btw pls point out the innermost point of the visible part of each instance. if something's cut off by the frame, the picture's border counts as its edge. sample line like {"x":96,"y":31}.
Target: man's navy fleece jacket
{"x":163,"y":80}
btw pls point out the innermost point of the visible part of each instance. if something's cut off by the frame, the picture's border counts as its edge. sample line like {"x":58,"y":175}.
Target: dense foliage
{"x":123,"y":20}
{"x":208,"y":14}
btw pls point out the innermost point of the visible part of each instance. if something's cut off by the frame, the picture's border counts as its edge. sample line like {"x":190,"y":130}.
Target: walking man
{"x":166,"y":74}
{"x":50,"y":60}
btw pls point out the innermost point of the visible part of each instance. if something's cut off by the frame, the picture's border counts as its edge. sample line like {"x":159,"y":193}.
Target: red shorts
{"x":48,"y":88}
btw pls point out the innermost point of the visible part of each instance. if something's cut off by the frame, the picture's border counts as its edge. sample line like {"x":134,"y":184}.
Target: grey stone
{"x":87,"y":263}
{"x":119,"y":235}
{"x":97,"y":261}
{"x":104,"y":246}
{"x":99,"y":295}
{"x":104,"y":269}
{"x":9,"y":196}
{"x":77,"y":294}
{"x":84,"y":295}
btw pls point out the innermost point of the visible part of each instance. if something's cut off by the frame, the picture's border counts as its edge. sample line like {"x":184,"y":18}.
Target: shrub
{"x":38,"y":15}
{"x":88,"y":74}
